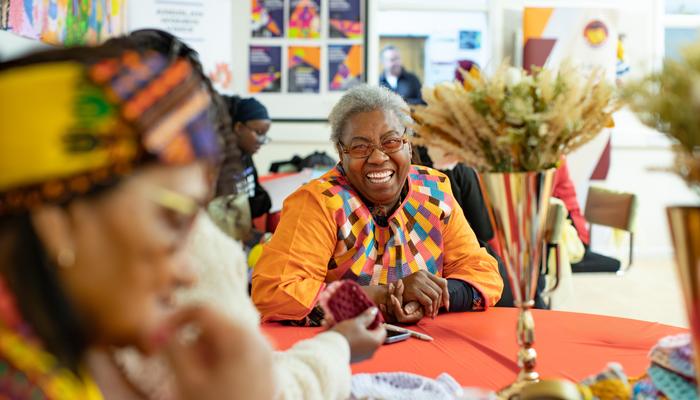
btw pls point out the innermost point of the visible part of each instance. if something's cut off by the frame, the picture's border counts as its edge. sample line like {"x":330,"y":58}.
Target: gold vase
{"x":518,"y":202}
{"x":685,"y":234}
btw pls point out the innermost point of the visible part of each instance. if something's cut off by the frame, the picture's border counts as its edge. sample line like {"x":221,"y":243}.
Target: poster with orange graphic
{"x":305,"y":19}
{"x":586,"y":36}
{"x":265,"y":63}
{"x":345,"y":66}
{"x":267,"y":18}
{"x":345,"y":19}
{"x":304,"y":66}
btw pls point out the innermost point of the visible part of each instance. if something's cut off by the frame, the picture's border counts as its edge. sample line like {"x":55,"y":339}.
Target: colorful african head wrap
{"x":67,"y":127}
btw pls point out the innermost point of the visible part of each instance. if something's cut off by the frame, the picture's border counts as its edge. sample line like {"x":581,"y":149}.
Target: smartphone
{"x":393,"y":337}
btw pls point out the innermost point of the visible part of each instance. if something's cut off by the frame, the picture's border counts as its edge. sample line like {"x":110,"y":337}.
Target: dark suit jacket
{"x":408,"y":86}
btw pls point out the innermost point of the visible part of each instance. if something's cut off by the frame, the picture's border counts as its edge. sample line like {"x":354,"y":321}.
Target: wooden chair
{"x":612,"y":209}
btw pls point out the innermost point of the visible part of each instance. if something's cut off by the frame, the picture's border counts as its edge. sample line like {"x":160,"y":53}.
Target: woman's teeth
{"x":380,"y":177}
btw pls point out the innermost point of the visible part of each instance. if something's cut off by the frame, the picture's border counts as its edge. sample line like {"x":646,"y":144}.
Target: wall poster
{"x":265,"y":63}
{"x":345,"y":19}
{"x":304,"y":68}
{"x":267,"y":18}
{"x":304,"y":19}
{"x":345,"y":66}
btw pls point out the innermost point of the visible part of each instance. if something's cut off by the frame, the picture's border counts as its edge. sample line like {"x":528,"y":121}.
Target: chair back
{"x":610,"y":208}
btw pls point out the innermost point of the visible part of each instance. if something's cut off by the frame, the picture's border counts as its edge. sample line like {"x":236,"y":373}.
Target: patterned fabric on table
{"x":371,"y":254}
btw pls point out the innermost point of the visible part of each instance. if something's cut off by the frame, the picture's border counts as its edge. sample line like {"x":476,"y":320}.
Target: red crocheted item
{"x":345,"y":300}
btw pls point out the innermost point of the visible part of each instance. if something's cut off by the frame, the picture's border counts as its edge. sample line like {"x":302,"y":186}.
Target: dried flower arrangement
{"x":669,"y":101}
{"x":514,"y":121}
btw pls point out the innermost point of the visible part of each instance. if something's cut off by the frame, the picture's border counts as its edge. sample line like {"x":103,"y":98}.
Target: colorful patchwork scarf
{"x":411,"y":240}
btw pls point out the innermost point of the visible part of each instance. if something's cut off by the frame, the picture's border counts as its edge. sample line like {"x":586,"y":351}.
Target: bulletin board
{"x":301,"y":55}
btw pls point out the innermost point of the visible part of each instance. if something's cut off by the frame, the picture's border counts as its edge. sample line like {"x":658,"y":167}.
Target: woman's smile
{"x":380,"y":177}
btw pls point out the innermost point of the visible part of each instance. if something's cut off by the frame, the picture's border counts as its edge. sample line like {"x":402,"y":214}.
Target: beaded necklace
{"x":34,"y":368}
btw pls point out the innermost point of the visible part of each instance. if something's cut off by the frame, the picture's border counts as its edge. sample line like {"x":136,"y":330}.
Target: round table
{"x":479,"y":349}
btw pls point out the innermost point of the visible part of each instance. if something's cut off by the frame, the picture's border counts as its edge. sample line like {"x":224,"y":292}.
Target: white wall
{"x":12,"y":46}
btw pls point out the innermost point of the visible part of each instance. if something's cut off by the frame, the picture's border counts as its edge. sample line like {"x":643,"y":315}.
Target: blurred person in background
{"x":97,"y":198}
{"x":397,"y":79}
{"x":250,"y":123}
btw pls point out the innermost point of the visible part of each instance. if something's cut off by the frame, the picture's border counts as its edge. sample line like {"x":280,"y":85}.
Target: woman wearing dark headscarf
{"x":250,"y":123}
{"x":105,"y":155}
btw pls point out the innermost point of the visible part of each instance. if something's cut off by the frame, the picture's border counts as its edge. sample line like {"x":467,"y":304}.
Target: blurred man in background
{"x":397,"y":79}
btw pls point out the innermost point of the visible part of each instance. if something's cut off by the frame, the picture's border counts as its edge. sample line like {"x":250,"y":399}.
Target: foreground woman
{"x":105,"y":156}
{"x":393,"y":227}
{"x":312,"y":369}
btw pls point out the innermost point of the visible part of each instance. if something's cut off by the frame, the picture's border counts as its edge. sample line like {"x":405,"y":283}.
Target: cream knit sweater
{"x":316,"y":368}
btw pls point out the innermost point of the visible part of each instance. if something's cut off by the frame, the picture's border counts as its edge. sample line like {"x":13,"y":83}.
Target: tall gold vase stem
{"x":527,"y":356}
{"x":518,"y":202}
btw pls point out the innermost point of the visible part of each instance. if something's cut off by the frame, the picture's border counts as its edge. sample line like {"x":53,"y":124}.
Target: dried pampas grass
{"x":514,"y":121}
{"x":669,"y":101}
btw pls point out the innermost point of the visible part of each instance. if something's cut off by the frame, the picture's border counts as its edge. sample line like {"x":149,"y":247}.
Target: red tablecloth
{"x":478,"y":349}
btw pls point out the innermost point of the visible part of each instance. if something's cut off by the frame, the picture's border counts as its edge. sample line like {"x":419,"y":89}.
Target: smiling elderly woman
{"x":393,"y":227}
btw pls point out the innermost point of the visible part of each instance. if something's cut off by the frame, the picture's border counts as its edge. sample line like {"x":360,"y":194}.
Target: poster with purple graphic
{"x":345,"y":67}
{"x":267,"y":18}
{"x":304,"y":69}
{"x":345,"y":19}
{"x":265,"y":63}
{"x":305,"y":19}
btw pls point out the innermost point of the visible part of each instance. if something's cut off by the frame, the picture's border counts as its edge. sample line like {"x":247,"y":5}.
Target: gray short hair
{"x":387,"y":48}
{"x":366,"y":98}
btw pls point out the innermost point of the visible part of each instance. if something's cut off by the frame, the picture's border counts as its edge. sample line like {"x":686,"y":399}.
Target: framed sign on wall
{"x":205,"y":25}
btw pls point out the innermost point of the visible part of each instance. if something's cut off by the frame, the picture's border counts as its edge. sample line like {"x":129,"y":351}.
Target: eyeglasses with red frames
{"x":389,"y":145}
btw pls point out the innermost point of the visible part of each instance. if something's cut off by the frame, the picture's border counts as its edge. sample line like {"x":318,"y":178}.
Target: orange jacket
{"x":327,"y":233}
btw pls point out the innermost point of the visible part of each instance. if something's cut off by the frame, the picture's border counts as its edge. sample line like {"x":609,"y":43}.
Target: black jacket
{"x":408,"y":86}
{"x":258,"y":198}
{"x":467,"y":192}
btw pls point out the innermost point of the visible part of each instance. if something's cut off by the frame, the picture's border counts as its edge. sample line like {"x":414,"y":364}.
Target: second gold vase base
{"x":554,"y":389}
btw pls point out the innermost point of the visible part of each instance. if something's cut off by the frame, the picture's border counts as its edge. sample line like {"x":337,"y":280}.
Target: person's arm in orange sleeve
{"x":292,"y":268}
{"x":468,"y":262}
